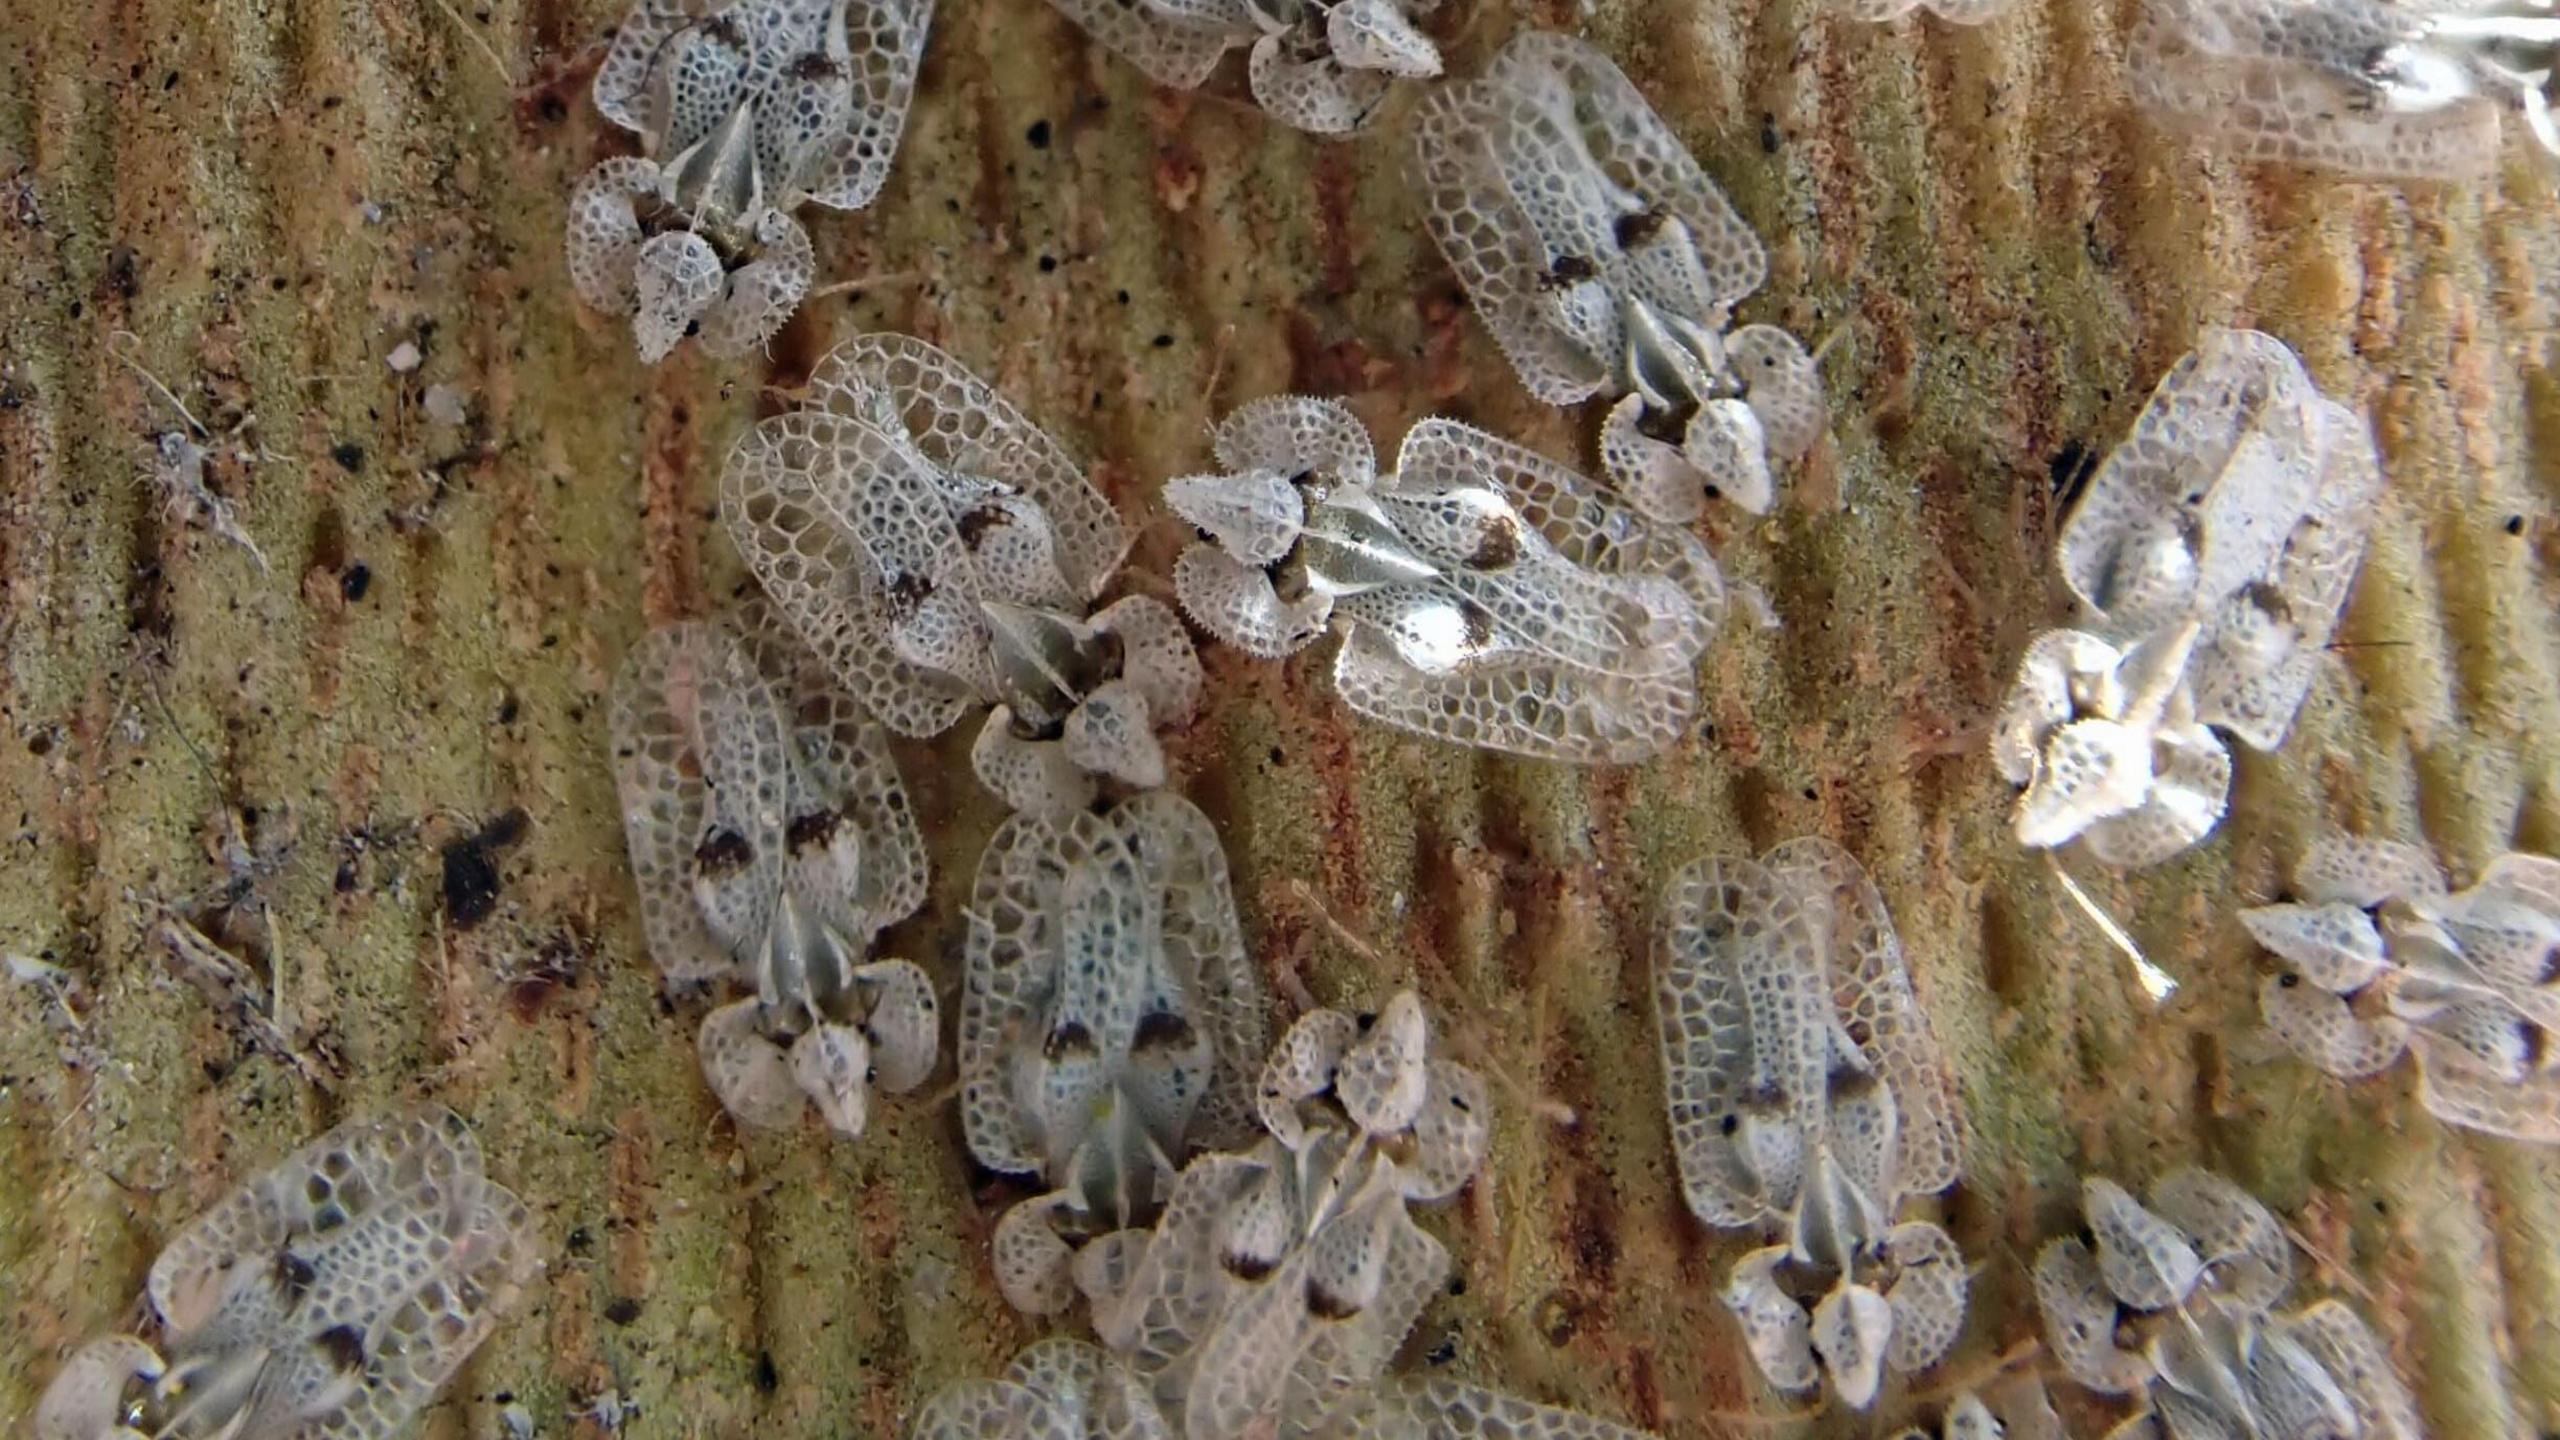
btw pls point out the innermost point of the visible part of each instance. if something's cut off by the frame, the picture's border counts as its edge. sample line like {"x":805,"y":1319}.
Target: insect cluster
{"x":1233,"y":1219}
{"x":2175,"y":1303}
{"x":2362,"y":87}
{"x":1276,"y":1280}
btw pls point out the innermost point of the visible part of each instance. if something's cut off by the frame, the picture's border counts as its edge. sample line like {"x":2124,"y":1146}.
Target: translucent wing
{"x":959,"y":422}
{"x":414,"y":1350}
{"x":887,"y":45}
{"x":2460,"y":1094}
{"x":1241,"y":1368}
{"x":2080,"y":1320}
{"x":1307,"y":87}
{"x":845,"y":755}
{"x":1871,"y":989}
{"x":1575,"y":516}
{"x":2257,"y":662}
{"x":2507,"y":925}
{"x":2147,"y":1263}
{"x":2244,"y":1251}
{"x":902,"y":1027}
{"x":1451,"y":1134}
{"x":1297,"y":434}
{"x":1171,"y":52}
{"x":2333,"y":945}
{"x":1461,"y":149}
{"x":992,"y":1410}
{"x":2284,"y":81}
{"x":2365,"y":873}
{"x":2324,"y":1029}
{"x":1182,"y":1280}
{"x":85,"y":1400}
{"x":1011,"y":960}
{"x":622,"y":80}
{"x":1742,"y":1006}
{"x":1640,"y":154}
{"x":1927,"y":1295}
{"x":1776,"y":1330}
{"x":2188,"y":793}
{"x":1237,"y":603}
{"x":880,"y":492}
{"x":667,"y":685}
{"x":2202,"y":439}
{"x":1202,"y":946}
{"x":1570,"y":575}
{"x":1525,"y":706}
{"x":823,"y":581}
{"x":217,"y":1279}
{"x":1345,"y":1353}
{"x":2355,"y":1358}
{"x":1443,"y":1409}
{"x":750,"y":1073}
{"x":1783,"y":384}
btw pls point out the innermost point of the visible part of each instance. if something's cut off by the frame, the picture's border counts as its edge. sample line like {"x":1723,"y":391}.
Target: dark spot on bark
{"x":350,"y":457}
{"x":355,"y":582}
{"x":622,"y":1311}
{"x":1037,"y":135}
{"x":471,"y":877}
{"x":2069,"y":470}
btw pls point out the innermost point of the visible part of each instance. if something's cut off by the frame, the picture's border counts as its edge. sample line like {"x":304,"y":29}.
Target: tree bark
{"x":270,"y":207}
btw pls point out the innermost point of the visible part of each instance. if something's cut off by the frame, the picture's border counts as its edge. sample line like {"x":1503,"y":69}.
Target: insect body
{"x":2211,"y":555}
{"x":332,"y":1296}
{"x":2175,"y":1302}
{"x":940,"y":551}
{"x":1486,"y":594}
{"x":744,"y":113}
{"x":772,"y":841}
{"x":1807,"y":1096}
{"x":1110,"y":1023}
{"x":1607,"y":263}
